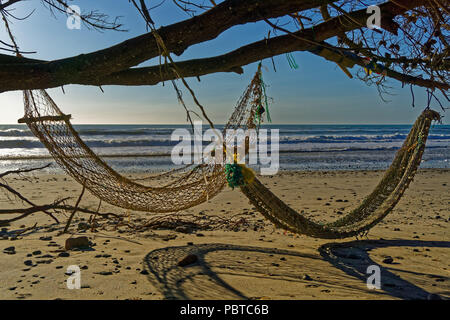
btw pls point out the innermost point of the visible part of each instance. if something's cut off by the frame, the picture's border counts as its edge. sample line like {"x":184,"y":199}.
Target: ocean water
{"x":147,"y":148}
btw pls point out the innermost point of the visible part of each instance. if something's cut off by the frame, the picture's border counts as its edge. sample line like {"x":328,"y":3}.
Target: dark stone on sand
{"x":144,"y":272}
{"x":10,"y":250}
{"x":64,"y":255}
{"x":307,"y":277}
{"x":105,"y":273}
{"x":35,"y":253}
{"x":28,"y":262}
{"x":83,"y":226}
{"x":45,"y":238}
{"x":80,"y":242}
{"x":183,"y":229}
{"x":189,"y":259}
{"x":388,"y":260}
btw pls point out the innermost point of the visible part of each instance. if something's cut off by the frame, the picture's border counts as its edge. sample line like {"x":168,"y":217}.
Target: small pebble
{"x":388,"y":260}
{"x":28,"y":262}
{"x":189,"y":259}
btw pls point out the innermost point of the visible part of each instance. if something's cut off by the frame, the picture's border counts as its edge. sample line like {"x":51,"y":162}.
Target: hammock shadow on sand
{"x":243,"y":272}
{"x":354,"y":257}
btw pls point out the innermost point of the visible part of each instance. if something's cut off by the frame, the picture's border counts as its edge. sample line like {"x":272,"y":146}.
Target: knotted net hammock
{"x":192,"y":185}
{"x":182,"y":188}
{"x":371,"y":211}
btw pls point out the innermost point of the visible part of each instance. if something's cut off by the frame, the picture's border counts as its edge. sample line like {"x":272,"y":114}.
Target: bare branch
{"x":177,"y":38}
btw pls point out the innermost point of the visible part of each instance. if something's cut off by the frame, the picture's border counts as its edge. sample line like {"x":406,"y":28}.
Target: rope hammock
{"x":371,"y":211}
{"x":193,"y":185}
{"x":184,"y":188}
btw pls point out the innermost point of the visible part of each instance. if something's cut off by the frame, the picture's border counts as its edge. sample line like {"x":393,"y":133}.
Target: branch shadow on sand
{"x":225,"y":271}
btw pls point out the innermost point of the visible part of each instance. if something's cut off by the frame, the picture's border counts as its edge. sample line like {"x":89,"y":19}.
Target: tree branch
{"x":233,"y":61}
{"x":303,"y":40}
{"x":177,"y":38}
{"x":8,"y":3}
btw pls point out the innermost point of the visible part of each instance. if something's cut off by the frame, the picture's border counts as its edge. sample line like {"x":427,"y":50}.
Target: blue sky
{"x":317,"y":92}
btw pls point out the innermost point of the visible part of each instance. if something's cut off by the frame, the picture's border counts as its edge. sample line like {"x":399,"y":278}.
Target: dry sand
{"x":240,"y":263}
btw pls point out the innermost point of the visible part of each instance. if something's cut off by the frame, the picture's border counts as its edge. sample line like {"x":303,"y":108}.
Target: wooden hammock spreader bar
{"x":65,"y":117}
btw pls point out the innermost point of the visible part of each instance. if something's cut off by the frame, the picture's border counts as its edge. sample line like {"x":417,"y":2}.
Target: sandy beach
{"x":246,"y":259}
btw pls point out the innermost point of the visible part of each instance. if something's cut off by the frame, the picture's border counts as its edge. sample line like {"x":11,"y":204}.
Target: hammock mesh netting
{"x":374,"y":207}
{"x":192,"y":185}
{"x":182,"y":188}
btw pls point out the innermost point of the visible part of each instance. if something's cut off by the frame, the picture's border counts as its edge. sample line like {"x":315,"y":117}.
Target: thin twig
{"x":75,"y":209}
